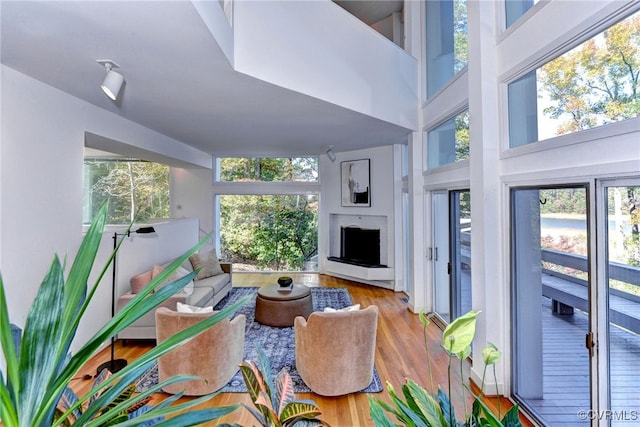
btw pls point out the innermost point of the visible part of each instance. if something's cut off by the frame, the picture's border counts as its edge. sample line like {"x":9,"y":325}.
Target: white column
{"x":489,"y":237}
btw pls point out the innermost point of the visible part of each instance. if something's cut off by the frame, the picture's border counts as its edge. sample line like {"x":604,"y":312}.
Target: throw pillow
{"x":186,"y":308}
{"x":354,"y":307}
{"x":208,"y":264}
{"x":139,"y":281}
{"x":177,"y":274}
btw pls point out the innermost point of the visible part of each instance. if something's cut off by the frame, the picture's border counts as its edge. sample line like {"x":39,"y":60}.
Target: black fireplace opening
{"x":359,"y":246}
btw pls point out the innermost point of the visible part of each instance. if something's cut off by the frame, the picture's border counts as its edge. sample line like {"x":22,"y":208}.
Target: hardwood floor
{"x":400,"y":354}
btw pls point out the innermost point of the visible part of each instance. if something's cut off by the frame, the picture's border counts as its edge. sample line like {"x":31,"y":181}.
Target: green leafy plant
{"x":39,"y":376}
{"x":274,"y":399}
{"x":417,"y":407}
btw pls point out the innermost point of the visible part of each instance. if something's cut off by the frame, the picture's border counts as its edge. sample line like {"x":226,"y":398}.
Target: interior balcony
{"x":319,"y":50}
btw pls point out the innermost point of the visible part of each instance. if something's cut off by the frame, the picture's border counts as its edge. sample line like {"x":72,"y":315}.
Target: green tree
{"x":460,"y":38}
{"x":274,"y":232}
{"x":462,"y":136}
{"x":596,"y":83}
{"x":137,"y":190}
{"x":269,"y":169}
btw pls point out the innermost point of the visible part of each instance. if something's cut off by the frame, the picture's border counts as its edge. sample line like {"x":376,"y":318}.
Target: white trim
{"x":258,"y":188}
{"x":605,"y":131}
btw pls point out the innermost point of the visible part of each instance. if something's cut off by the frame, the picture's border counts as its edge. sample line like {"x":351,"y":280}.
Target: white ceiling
{"x":178,"y":81}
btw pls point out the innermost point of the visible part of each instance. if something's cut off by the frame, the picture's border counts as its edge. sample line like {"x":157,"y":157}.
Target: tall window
{"x":449,"y":142}
{"x":594,"y":84}
{"x":446,"y":44}
{"x":137,"y":190}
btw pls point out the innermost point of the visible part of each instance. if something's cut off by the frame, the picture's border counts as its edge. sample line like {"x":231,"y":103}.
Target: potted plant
{"x":417,"y":407}
{"x":274,"y":399}
{"x":39,"y":377}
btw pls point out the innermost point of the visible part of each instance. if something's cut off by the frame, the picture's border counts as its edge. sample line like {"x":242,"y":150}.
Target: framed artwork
{"x":356,"y":183}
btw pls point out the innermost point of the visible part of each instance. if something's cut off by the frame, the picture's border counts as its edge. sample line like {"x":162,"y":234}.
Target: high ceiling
{"x":178,"y":81}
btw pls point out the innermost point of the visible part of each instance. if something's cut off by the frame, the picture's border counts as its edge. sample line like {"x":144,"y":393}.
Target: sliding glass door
{"x":621,"y":278}
{"x":450,"y":253}
{"x":551,"y":305}
{"x":576,"y":302}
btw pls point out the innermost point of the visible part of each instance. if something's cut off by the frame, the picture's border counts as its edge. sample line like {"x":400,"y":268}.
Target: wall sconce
{"x":330,"y":154}
{"x":113,"y":81}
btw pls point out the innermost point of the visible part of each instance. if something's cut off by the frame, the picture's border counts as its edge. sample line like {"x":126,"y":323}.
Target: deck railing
{"x":617,"y":271}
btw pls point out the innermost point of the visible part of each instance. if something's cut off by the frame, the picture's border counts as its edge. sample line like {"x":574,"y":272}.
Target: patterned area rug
{"x":277,"y":343}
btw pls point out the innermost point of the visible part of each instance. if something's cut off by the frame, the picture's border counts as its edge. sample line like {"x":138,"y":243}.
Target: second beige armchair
{"x":335,"y":352}
{"x":214,"y":355}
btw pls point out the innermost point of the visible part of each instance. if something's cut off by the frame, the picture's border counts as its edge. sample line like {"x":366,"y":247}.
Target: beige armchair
{"x":214,"y":355}
{"x":335,"y":352}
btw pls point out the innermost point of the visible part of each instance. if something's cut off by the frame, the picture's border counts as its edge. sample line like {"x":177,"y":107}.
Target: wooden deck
{"x":566,"y":369}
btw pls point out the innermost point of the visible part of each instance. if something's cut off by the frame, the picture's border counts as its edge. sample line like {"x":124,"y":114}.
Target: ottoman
{"x":278,"y":306}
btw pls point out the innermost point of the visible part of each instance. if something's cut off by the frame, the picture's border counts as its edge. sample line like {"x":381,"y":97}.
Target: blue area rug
{"x":277,"y":343}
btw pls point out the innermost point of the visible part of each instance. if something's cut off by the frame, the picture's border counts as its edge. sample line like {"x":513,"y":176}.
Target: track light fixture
{"x":113,"y":81}
{"x":330,"y":154}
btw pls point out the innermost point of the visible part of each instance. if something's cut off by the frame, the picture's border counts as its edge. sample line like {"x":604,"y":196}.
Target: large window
{"x":136,"y":190}
{"x":449,"y":142}
{"x":594,"y":84}
{"x":269,"y":233}
{"x":260,"y":228}
{"x":446,"y":43}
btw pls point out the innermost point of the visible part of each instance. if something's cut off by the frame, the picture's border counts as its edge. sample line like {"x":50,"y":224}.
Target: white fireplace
{"x":379,"y":276}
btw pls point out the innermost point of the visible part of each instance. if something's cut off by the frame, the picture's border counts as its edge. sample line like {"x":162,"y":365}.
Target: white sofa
{"x":206,"y":292}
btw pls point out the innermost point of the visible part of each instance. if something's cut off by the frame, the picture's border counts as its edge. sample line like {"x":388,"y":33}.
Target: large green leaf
{"x":459,"y":334}
{"x":377,"y":413}
{"x":299,"y":409}
{"x":407,"y":415}
{"x":427,"y":404}
{"x":284,"y":393}
{"x":8,"y":413}
{"x":39,"y":362}
{"x":512,"y":418}
{"x":38,"y":378}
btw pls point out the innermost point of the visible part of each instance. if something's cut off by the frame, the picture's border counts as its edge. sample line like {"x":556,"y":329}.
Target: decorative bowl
{"x":285,"y":281}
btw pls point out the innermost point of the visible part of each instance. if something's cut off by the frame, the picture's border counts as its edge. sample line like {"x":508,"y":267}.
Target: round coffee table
{"x":278,"y":306}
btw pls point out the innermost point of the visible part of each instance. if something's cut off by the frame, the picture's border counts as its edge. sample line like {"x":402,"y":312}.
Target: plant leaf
{"x":284,"y":393}
{"x":376,"y":411}
{"x":512,"y":418}
{"x":459,"y":334}
{"x":39,"y":363}
{"x":466,"y":352}
{"x":423,"y":318}
{"x":299,"y":409}
{"x":491,"y":354}
{"x":491,"y":419}
{"x":427,"y":404}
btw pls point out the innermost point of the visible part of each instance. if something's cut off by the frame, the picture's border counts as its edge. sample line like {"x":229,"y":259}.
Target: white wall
{"x":141,"y":252}
{"x":41,"y":158}
{"x":300,"y":46}
{"x":192,"y":197}
{"x":382,"y":197}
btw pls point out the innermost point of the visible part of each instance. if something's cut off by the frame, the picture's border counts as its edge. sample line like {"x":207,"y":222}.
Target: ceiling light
{"x":113,"y":81}
{"x":330,"y":154}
